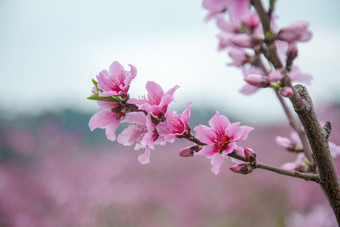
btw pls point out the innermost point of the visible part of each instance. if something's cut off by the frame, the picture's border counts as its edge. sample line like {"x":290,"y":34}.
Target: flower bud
{"x":250,"y":155}
{"x":292,"y":51}
{"x":283,"y":142}
{"x":257,"y":80}
{"x":243,"y":168}
{"x":243,"y":40}
{"x":287,"y":92}
{"x":189,"y":151}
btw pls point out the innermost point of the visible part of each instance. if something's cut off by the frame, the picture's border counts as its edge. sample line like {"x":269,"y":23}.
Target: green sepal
{"x":276,"y":86}
{"x":306,"y":161}
{"x":95,"y":83}
{"x":268,"y":34}
{"x":95,"y":96}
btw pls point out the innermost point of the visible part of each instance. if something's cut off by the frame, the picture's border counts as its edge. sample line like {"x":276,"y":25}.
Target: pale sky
{"x":50,"y":50}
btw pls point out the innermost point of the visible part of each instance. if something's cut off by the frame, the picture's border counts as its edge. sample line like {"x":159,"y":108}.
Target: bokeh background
{"x":55,"y":172}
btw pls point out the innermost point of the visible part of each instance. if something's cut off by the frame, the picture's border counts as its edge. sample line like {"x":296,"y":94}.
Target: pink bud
{"x":186,"y":152}
{"x":257,"y":80}
{"x":283,"y":142}
{"x":287,"y":92}
{"x":189,"y":151}
{"x":250,"y":155}
{"x":292,"y":51}
{"x":276,"y":75}
{"x":242,"y":168}
{"x":243,"y":40}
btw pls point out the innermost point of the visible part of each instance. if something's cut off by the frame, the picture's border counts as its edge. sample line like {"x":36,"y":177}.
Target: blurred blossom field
{"x":55,"y":172}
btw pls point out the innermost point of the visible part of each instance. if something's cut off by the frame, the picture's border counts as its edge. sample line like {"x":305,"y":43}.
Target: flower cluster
{"x":151,"y":122}
{"x":249,"y":43}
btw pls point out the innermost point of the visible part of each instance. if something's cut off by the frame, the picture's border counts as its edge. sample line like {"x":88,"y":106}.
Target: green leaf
{"x":95,"y":96}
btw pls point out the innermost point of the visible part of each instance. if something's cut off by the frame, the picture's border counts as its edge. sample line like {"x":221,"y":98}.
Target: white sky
{"x":50,"y":50}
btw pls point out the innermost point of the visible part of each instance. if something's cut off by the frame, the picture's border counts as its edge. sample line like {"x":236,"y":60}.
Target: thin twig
{"x":305,"y":176}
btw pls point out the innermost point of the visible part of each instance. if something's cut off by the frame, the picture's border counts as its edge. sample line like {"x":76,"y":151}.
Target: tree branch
{"x":305,"y":176}
{"x":317,"y":137}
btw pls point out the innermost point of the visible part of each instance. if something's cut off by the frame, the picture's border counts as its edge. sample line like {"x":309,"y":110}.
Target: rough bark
{"x":318,"y":138}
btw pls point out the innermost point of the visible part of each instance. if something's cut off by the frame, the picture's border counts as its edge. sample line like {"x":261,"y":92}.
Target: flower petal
{"x":219,"y":123}
{"x":116,"y":68}
{"x":216,"y":163}
{"x":111,"y":130}
{"x":101,"y":119}
{"x":145,"y":158}
{"x":204,"y":134}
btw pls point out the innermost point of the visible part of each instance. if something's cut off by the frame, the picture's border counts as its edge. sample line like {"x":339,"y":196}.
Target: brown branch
{"x":305,"y":176}
{"x":259,"y":165}
{"x":317,"y":137}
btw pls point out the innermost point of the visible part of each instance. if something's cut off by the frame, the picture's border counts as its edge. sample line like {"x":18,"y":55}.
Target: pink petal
{"x":154,"y":90}
{"x":230,"y":148}
{"x":129,"y":135}
{"x":207,"y":151}
{"x":162,"y":129}
{"x":136,"y":101}
{"x":135,"y":118}
{"x":111,"y":130}
{"x":116,"y":68}
{"x":248,"y":89}
{"x":289,"y":166}
{"x":145,"y":158}
{"x":233,"y":131}
{"x":186,"y":114}
{"x":107,"y":105}
{"x":219,"y":123}
{"x":204,"y":134}
{"x":101,"y":119}
{"x":245,"y":131}
{"x":334,"y":149}
{"x":172,"y":90}
{"x":216,"y":163}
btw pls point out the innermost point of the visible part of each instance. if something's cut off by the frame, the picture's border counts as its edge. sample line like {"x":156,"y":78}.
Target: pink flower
{"x":106,"y":119}
{"x":295,"y":32}
{"x":157,"y":101}
{"x":141,"y":132}
{"x":175,"y":124}
{"x":220,"y":138}
{"x":239,"y":56}
{"x":116,"y":81}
